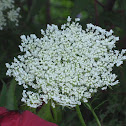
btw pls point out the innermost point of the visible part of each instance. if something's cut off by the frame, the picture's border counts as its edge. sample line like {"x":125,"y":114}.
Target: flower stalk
{"x":94,"y":114}
{"x":80,"y":116}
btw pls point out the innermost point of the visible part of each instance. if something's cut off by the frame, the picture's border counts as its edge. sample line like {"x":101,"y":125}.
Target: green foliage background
{"x":110,"y":105}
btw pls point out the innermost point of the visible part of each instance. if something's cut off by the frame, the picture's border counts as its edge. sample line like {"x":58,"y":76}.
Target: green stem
{"x":80,"y":115}
{"x":94,"y":114}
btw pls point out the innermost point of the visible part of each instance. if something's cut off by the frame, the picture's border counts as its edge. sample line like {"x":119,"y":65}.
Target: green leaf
{"x":3,"y":94}
{"x":46,"y":113}
{"x":57,"y":114}
{"x":24,"y":107}
{"x":11,"y":102}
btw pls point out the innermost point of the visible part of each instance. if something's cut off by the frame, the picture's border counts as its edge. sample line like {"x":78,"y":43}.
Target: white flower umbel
{"x":66,"y":65}
{"x":8,"y":12}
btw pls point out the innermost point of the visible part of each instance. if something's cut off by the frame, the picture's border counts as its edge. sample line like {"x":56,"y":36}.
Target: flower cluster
{"x":66,"y":65}
{"x":8,"y":12}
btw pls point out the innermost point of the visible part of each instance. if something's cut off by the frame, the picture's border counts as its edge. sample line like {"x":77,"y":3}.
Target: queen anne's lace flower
{"x":8,"y":12}
{"x":66,"y":66}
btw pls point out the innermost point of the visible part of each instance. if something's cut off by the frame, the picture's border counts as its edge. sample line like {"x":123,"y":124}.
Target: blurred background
{"x":110,"y":105}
